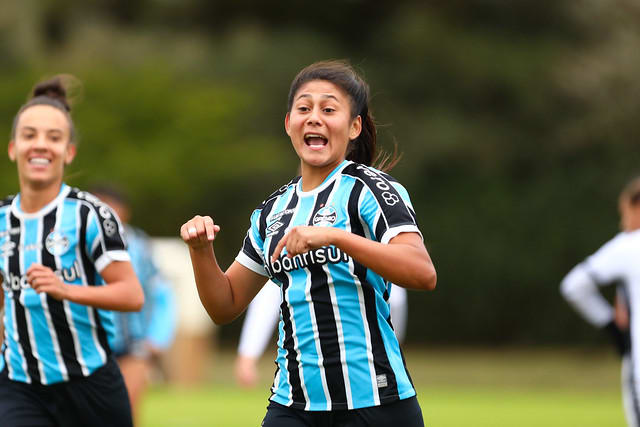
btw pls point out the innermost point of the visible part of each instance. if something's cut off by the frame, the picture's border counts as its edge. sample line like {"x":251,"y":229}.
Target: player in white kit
{"x":616,"y":262}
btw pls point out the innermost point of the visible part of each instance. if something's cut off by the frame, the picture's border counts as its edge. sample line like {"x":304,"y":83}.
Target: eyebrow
{"x":31,"y":128}
{"x":326,"y":95}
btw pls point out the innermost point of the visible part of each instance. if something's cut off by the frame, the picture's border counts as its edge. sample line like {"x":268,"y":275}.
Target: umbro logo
{"x":273,"y":228}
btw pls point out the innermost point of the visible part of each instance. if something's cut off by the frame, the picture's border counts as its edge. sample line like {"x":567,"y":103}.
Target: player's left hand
{"x":302,"y":239}
{"x":43,"y":279}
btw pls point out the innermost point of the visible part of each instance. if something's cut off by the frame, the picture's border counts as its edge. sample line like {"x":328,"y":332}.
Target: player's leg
{"x":630,"y":398}
{"x":135,"y":371}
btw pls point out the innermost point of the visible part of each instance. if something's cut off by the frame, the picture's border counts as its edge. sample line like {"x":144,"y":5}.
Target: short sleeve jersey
{"x":617,"y":260}
{"x":48,"y":341}
{"x":336,"y":346}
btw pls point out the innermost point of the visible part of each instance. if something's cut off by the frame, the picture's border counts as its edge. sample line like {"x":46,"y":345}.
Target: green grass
{"x":455,"y":388}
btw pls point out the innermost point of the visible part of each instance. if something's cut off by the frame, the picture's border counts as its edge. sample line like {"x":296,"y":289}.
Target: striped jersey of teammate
{"x":336,"y":346}
{"x":49,"y":341}
{"x":155,"y":323}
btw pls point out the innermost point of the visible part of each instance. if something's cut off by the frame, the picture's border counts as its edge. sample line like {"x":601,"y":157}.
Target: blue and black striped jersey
{"x":336,"y":346}
{"x":48,"y":341}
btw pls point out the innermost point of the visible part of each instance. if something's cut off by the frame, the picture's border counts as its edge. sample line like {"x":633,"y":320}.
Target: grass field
{"x":465,"y":387}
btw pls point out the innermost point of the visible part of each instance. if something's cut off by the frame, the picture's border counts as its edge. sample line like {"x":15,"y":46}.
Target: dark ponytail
{"x":364,"y":148}
{"x":54,"y":93}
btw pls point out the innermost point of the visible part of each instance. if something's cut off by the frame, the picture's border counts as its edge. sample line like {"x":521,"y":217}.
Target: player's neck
{"x":313,"y":177}
{"x":33,"y":197}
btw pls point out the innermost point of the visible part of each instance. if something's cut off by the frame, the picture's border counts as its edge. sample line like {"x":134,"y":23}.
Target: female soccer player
{"x":616,"y":262}
{"x":64,"y":265}
{"x":334,"y":239}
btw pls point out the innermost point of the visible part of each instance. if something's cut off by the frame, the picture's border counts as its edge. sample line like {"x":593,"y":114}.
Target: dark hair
{"x":631,"y":191}
{"x":364,"y":148}
{"x":52,"y":92}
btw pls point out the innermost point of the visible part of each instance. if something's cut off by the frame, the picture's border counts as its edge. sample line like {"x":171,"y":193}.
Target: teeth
{"x":39,"y":161}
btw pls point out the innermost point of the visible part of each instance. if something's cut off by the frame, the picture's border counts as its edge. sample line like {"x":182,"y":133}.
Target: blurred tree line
{"x":517,"y":121}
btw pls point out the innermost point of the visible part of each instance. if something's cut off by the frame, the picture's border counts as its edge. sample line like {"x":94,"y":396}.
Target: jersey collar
{"x":328,"y":180}
{"x":17,"y":211}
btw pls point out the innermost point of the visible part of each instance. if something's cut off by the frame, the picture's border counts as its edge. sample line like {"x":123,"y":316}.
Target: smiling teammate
{"x":63,"y":265}
{"x":334,"y":239}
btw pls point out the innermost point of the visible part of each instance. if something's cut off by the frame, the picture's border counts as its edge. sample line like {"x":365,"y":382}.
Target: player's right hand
{"x":199,"y":231}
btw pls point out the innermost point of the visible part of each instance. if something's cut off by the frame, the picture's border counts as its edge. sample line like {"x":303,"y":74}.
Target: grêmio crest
{"x":325,"y":217}
{"x":56,"y":243}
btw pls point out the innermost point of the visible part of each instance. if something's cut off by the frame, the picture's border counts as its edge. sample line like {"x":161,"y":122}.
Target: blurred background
{"x":518,"y":124}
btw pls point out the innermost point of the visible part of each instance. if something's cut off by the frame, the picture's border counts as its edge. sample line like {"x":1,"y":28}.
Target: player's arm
{"x":580,"y":286}
{"x":581,"y":291}
{"x":225,"y":295}
{"x":121,"y":292}
{"x":403,"y":261}
{"x":257,"y":329}
{"x":621,"y":313}
{"x":163,"y":318}
{"x":259,"y":322}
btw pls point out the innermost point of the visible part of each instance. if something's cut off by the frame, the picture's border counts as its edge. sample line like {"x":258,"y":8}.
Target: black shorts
{"x":100,"y":399}
{"x":402,"y":413}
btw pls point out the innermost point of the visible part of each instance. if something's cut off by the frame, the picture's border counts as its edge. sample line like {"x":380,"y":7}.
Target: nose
{"x":40,"y":141}
{"x":314,"y":117}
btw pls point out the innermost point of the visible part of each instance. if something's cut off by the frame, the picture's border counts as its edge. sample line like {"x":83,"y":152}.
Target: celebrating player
{"x":64,"y":266}
{"x":616,"y":262}
{"x":334,"y":239}
{"x":140,"y":336}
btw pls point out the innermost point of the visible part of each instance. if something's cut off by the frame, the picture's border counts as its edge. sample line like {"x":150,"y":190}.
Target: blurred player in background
{"x":334,"y":239}
{"x":616,"y":262}
{"x":140,"y":338}
{"x":64,"y":268}
{"x":262,"y":316}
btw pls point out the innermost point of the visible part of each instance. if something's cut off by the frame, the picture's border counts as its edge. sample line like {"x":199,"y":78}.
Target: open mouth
{"x":315,"y":140}
{"x":40,"y":161}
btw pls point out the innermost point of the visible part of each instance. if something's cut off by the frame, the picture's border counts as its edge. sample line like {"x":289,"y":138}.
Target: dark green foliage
{"x":517,"y":120}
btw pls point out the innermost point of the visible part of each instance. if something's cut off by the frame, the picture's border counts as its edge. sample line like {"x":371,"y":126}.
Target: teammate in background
{"x":140,"y":337}
{"x":64,"y":269}
{"x":615,"y":262}
{"x":262,"y":316}
{"x":334,"y":239}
